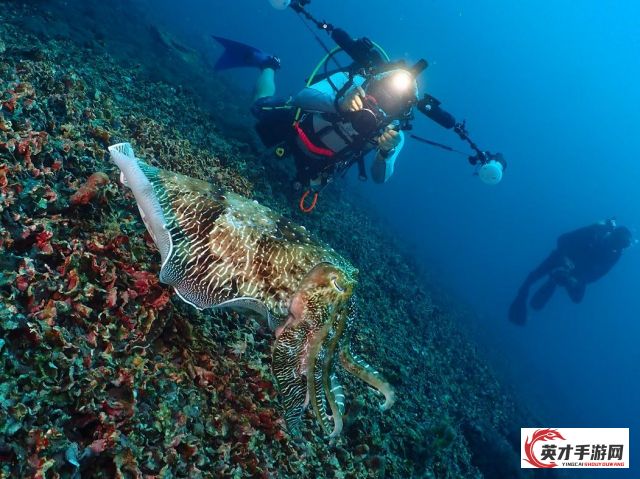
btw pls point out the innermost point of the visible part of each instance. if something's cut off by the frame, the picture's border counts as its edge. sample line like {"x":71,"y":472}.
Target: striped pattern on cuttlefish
{"x":219,"y":249}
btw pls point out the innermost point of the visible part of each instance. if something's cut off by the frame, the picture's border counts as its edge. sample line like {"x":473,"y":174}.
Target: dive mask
{"x":395,"y":92}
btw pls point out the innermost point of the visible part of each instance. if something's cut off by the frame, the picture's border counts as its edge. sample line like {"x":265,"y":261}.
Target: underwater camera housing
{"x":369,"y":119}
{"x":369,"y":59}
{"x":394,"y":87}
{"x":390,"y":95}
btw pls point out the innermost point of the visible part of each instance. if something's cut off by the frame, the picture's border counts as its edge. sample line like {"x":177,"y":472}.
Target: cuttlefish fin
{"x":249,"y":304}
{"x":132,"y":176}
{"x":127,"y":150}
{"x":180,"y":214}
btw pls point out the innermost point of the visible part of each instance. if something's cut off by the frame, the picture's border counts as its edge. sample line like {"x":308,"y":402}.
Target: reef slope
{"x":103,"y":372}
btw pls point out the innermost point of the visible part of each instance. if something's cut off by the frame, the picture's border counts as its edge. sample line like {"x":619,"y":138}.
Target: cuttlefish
{"x":219,"y":249}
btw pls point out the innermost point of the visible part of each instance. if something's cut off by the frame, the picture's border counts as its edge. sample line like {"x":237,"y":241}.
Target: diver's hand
{"x":389,"y":139}
{"x":352,"y":101}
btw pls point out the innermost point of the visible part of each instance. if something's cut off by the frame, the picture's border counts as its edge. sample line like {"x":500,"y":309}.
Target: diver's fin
{"x":238,"y":54}
{"x":543,"y":295}
{"x":518,"y":309}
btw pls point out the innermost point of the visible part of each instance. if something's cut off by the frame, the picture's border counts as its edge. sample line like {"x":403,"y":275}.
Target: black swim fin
{"x":543,"y":295}
{"x":518,"y":309}
{"x":238,"y":54}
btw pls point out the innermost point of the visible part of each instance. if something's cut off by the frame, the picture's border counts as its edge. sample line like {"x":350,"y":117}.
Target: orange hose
{"x":309,"y":209}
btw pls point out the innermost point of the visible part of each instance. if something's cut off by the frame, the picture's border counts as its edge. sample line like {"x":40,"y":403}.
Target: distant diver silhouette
{"x":581,"y":257}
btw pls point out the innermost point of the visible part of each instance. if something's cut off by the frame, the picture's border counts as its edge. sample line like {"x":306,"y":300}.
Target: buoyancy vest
{"x":330,"y":144}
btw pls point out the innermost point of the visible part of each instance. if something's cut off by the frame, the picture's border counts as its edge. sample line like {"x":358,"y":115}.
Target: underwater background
{"x":105,"y":375}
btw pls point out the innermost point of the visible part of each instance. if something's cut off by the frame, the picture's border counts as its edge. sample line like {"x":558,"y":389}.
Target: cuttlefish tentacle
{"x":332,"y":389}
{"x":317,"y":394}
{"x":360,"y":368}
{"x":337,"y":393}
{"x":311,"y":332}
{"x":289,"y":371}
{"x":334,"y":397}
{"x":316,"y":314}
{"x":295,"y":357}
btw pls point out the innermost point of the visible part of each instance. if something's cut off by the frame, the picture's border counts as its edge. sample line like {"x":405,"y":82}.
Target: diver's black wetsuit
{"x":581,"y":257}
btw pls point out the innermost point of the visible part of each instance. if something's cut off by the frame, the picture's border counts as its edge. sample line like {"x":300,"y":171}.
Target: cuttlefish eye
{"x":334,"y":282}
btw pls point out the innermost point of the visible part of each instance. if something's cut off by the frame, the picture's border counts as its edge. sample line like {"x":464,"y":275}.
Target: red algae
{"x":90,"y":189}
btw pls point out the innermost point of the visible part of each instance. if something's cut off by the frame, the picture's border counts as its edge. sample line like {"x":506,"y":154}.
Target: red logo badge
{"x":540,"y":435}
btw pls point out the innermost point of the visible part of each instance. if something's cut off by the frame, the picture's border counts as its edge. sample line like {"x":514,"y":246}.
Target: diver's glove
{"x":353,"y":100}
{"x":388,"y":140}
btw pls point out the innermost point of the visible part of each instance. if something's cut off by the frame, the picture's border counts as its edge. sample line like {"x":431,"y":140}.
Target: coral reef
{"x":102,"y":372}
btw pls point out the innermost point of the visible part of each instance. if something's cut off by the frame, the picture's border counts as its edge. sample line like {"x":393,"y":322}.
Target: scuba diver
{"x":340,"y":121}
{"x":343,"y":115}
{"x":581,"y":257}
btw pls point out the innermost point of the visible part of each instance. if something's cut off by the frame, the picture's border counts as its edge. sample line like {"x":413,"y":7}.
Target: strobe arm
{"x":461,"y":131}
{"x":361,"y":50}
{"x":430,"y":107}
{"x":298,"y":5}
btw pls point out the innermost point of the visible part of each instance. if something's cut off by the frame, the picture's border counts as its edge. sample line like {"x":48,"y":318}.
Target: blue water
{"x":554,"y":86}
